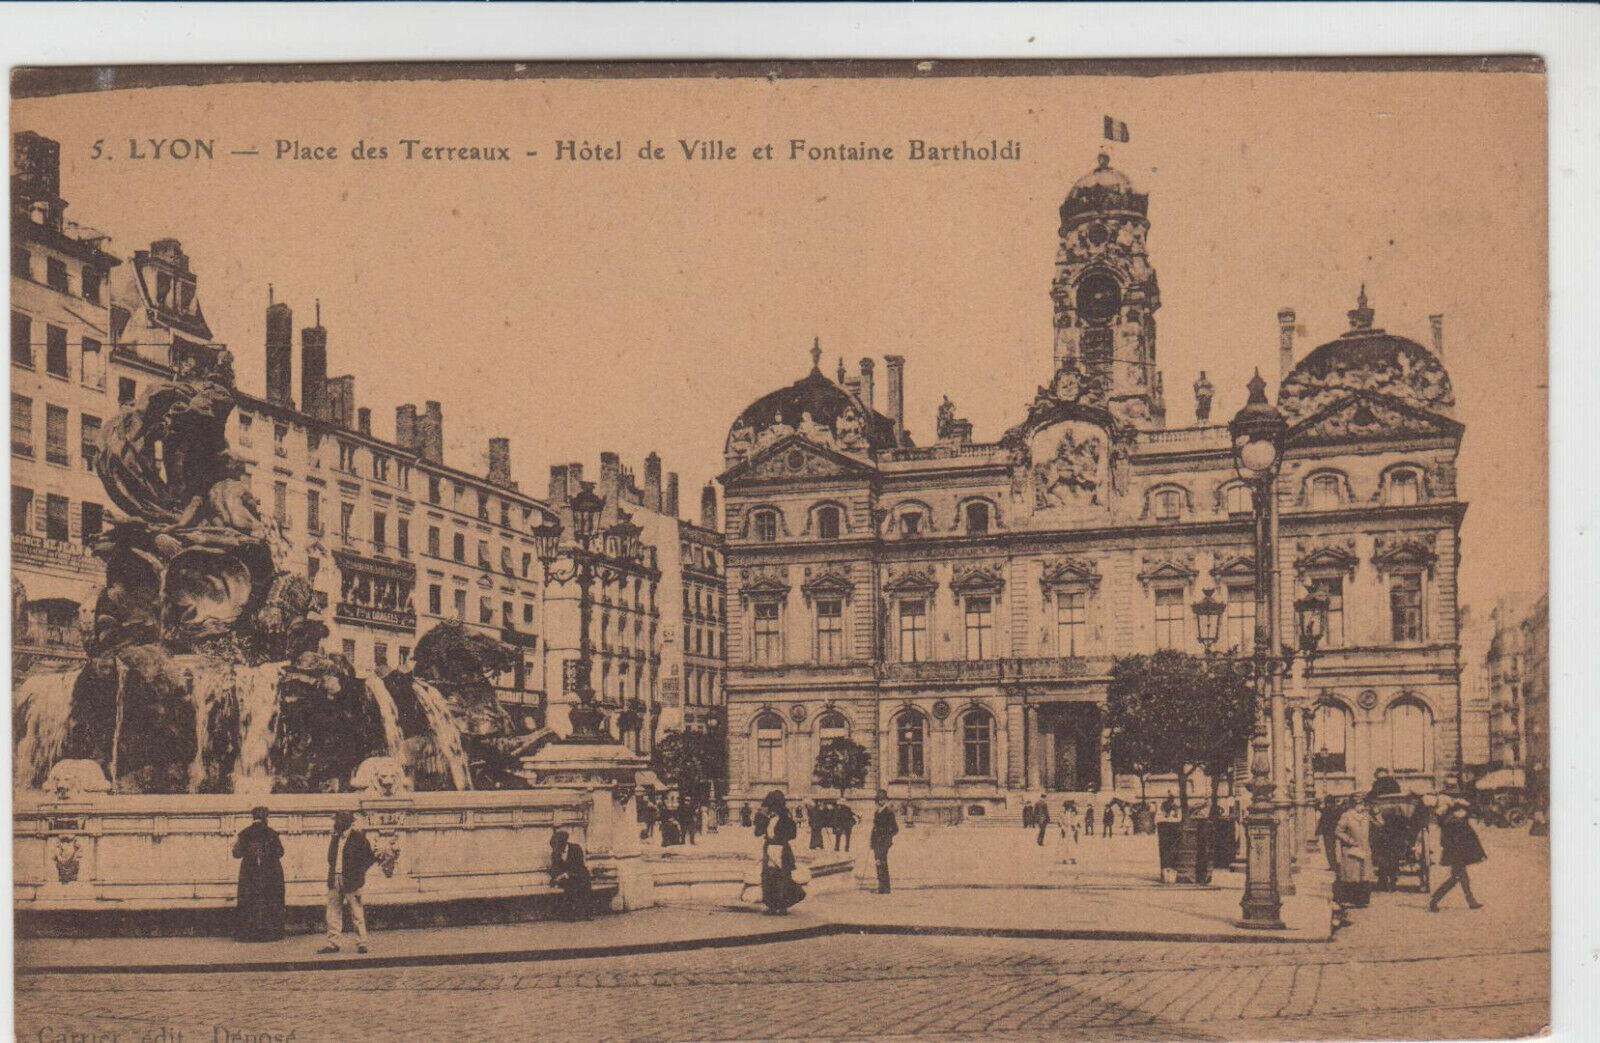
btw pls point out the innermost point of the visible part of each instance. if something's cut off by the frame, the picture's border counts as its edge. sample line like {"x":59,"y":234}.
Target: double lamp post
{"x":1257,"y":432}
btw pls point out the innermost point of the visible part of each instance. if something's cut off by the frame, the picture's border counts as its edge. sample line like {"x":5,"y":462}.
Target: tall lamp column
{"x":588,"y":720}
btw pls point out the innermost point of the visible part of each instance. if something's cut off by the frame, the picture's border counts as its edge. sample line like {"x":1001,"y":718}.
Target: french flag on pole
{"x":1115,"y":130}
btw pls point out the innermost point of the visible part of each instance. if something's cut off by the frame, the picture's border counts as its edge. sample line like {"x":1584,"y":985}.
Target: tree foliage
{"x":842,"y":765}
{"x":691,"y":761}
{"x":1174,"y":712}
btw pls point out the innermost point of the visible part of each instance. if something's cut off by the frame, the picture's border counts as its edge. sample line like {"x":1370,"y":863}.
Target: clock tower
{"x":1106,"y":297}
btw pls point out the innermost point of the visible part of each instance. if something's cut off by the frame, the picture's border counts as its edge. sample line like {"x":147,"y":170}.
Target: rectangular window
{"x":1403,"y":489}
{"x":314,"y":512}
{"x":769,"y":766}
{"x":280,"y":440}
{"x":1405,"y":606}
{"x":433,"y":540}
{"x":405,"y":654}
{"x":402,"y":536}
{"x":246,"y":425}
{"x":55,"y":435}
{"x":94,"y":521}
{"x":507,"y":620}
{"x":461,"y":604}
{"x":91,"y":286}
{"x":56,"y":526}
{"x":435,"y":599}
{"x":1072,"y":622}
{"x":913,"y":631}
{"x":313,"y":566}
{"x":127,"y":391}
{"x":380,"y":531}
{"x":767,"y":636}
{"x":505,"y":514}
{"x":280,"y":503}
{"x":458,"y":547}
{"x":505,"y":560}
{"x":483,"y":505}
{"x":527,"y":613}
{"x":1239,"y":625}
{"x":1332,"y":588}
{"x":22,"y":425}
{"x":433,"y":488}
{"x":527,"y":564}
{"x":55,"y":352}
{"x":21,"y":510}
{"x":1170,"y":618}
{"x":380,"y":656}
{"x":485,"y":611}
{"x":830,"y":631}
{"x":980,"y":628}
{"x":347,"y":516}
{"x":349,"y":647}
{"x":89,"y":440}
{"x":55,"y":274}
{"x":21,"y":340}
{"x":21,"y":262}
{"x":380,"y":467}
{"x":483,"y":554}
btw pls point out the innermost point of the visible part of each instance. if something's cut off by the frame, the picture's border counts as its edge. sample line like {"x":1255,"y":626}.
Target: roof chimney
{"x":364,"y":421}
{"x":500,"y":462}
{"x":866,"y":383}
{"x":430,"y":433}
{"x":669,"y":506}
{"x":652,"y":482}
{"x":314,"y":371}
{"x":280,"y":352}
{"x":340,"y":401}
{"x":558,"y":484}
{"x":1285,"y":343}
{"x":1437,"y":322}
{"x":896,"y":393}
{"x":610,"y":476}
{"x":708,"y":507}
{"x":405,"y":427}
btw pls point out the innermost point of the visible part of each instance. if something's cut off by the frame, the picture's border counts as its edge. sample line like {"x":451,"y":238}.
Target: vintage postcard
{"x":780,"y":550}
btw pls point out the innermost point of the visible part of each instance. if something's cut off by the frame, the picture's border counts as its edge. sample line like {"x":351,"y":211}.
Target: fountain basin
{"x":173,"y":853}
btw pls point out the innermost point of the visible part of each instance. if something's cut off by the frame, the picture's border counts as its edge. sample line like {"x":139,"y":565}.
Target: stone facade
{"x":957,"y":608}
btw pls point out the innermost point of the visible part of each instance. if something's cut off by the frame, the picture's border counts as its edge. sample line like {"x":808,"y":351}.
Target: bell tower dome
{"x":1106,"y":296}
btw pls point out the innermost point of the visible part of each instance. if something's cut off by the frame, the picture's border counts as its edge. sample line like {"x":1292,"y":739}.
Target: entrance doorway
{"x":1074,"y":734}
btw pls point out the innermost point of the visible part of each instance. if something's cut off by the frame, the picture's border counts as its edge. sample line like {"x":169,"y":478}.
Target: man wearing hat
{"x":884,"y":828}
{"x":349,"y":858}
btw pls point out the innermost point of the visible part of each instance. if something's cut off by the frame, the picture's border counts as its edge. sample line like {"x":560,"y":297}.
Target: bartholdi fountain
{"x":207,"y":692}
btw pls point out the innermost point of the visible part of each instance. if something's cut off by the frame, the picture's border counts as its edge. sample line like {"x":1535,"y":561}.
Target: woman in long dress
{"x":1353,"y":888}
{"x":260,"y":909}
{"x":778,"y":889}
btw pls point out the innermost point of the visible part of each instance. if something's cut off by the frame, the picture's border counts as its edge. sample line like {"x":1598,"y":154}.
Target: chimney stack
{"x":866,"y":383}
{"x":500,"y":462}
{"x":652,"y":482}
{"x":1285,"y":343}
{"x":896,"y":392}
{"x":558,"y":484}
{"x":1437,"y":322}
{"x":610,"y":476}
{"x":340,"y":401}
{"x":405,"y":427}
{"x":280,"y":352}
{"x":314,"y":371}
{"x":708,"y":507}
{"x":364,"y":421}
{"x":670,"y":506}
{"x":430,"y":433}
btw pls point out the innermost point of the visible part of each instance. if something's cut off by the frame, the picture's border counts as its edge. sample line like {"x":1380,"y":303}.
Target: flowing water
{"x":255,"y":688}
{"x":446,"y":736}
{"x":393,"y":739}
{"x":211,"y":687}
{"x":43,"y":702}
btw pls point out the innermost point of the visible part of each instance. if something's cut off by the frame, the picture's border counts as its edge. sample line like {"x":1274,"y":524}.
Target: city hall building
{"x":956,"y":608}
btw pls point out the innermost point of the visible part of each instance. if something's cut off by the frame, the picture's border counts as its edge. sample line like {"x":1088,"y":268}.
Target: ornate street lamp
{"x":1311,"y":621}
{"x":1257,"y":432}
{"x":586,"y":508}
{"x":1208,"y":619}
{"x":588,"y":720}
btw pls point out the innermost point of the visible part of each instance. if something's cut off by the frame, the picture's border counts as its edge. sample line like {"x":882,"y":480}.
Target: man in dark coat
{"x":844,"y":824}
{"x":1042,"y":817}
{"x":569,"y":870}
{"x":819,"y":820}
{"x":884,"y":828}
{"x":1459,"y":848}
{"x":349,"y":858}
{"x":260,"y":909}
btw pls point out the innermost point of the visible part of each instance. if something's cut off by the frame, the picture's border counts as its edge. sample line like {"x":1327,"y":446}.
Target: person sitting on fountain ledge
{"x":349,"y":858}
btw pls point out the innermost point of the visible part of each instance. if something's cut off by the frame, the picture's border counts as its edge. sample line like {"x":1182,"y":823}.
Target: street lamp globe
{"x":1257,"y":431}
{"x":1208,"y":618}
{"x":586,"y":508}
{"x":547,"y":536}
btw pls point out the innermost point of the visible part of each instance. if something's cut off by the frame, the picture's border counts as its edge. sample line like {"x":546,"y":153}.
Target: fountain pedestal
{"x":609,"y":774}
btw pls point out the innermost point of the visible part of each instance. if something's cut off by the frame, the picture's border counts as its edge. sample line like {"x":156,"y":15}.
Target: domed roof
{"x":1366,"y":359}
{"x":1103,"y":190}
{"x":816,"y":408}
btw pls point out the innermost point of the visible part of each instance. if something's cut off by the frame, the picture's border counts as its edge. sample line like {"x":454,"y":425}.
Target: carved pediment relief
{"x":1404,"y":550}
{"x":1178,"y":567}
{"x":978,"y":578}
{"x":1069,"y":571}
{"x":1365,"y":416}
{"x":1333,"y":555}
{"x":1234,"y":565}
{"x":910,"y":579}
{"x":822,"y":581}
{"x":770,"y":581}
{"x":795,"y":456}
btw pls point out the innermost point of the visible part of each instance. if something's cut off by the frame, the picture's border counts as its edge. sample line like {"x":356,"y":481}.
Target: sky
{"x":639,"y":305}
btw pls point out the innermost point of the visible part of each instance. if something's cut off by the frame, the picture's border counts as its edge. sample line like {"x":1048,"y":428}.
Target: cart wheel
{"x":1516,"y":817}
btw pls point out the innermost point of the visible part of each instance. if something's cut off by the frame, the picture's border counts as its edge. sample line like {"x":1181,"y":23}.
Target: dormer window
{"x":1325,"y":492}
{"x":1236,"y":499}
{"x":828,"y":523}
{"x":911,"y":524}
{"x":1403,"y":489}
{"x":977,"y":518}
{"x":1167,"y":505}
{"x":765,"y":526}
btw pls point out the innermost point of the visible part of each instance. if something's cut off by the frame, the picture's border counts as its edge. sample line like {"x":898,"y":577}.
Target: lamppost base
{"x":1261,"y":922}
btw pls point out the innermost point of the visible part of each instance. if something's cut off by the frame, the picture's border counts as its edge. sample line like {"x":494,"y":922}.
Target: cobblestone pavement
{"x":1399,"y":973}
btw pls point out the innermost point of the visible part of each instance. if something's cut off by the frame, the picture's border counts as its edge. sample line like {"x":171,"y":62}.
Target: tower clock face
{"x":1099,"y":297}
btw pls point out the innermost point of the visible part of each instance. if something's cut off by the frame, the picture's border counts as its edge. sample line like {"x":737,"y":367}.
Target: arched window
{"x":830,"y":726}
{"x":828,"y":522}
{"x":977,"y":744}
{"x":770,"y":764}
{"x":765,"y":526}
{"x":1403,"y":488}
{"x":910,"y":732}
{"x":1330,"y":730}
{"x":1410,"y":728}
{"x":1324,"y":492}
{"x":977,"y":518}
{"x":1166,"y":504}
{"x":1236,"y":499}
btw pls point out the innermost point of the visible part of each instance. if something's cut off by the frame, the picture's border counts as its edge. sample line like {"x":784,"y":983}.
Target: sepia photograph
{"x":1030,"y":549}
